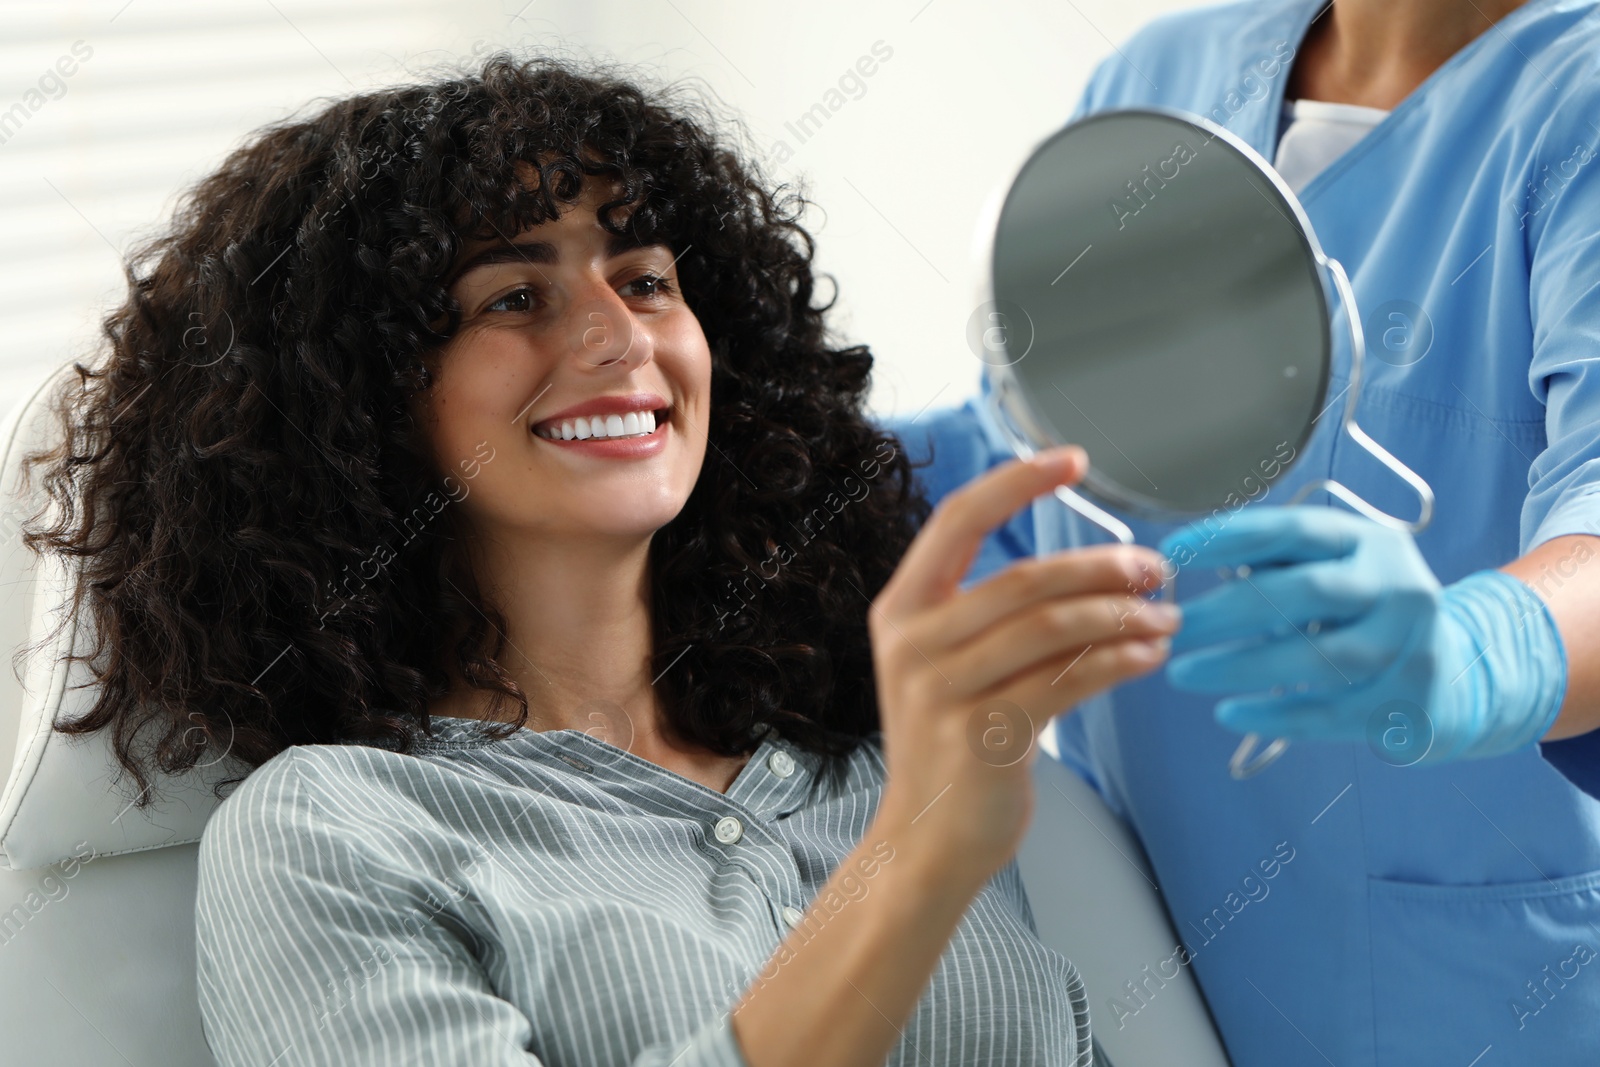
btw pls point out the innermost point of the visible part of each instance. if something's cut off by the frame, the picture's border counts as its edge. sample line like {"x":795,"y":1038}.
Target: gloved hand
{"x":1343,"y":633}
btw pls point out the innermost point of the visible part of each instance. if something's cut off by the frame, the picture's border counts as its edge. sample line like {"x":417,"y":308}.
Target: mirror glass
{"x":1164,"y":307}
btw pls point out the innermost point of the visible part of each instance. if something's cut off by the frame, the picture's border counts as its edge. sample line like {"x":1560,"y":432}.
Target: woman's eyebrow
{"x":539,"y":252}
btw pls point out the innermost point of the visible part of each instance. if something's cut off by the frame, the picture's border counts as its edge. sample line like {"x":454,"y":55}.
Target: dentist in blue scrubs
{"x":1417,"y":880}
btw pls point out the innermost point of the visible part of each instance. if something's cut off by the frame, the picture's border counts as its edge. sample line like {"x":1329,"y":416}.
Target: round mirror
{"x":1164,"y":306}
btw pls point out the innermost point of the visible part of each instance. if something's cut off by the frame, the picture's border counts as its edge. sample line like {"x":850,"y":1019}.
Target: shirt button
{"x":792,"y":916}
{"x":781,"y":764}
{"x":729,"y":829}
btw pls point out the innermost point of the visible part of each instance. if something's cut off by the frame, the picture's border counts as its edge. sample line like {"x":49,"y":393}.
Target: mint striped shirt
{"x":554,"y":900}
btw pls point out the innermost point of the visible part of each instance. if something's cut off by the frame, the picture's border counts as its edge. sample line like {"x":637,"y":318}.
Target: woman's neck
{"x":578,"y":643}
{"x":1376,"y":52}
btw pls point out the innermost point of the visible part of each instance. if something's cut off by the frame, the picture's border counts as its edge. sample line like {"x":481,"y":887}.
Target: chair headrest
{"x":63,"y":796}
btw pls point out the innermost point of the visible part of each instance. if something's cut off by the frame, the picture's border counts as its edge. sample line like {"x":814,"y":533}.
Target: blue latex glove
{"x":1343,"y":633}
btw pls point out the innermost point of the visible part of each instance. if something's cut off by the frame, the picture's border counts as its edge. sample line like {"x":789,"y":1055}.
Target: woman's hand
{"x":966,"y":680}
{"x":1027,"y":643}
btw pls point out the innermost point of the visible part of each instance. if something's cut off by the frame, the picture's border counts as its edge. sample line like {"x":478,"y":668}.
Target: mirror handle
{"x":1094,"y":513}
{"x":1244,"y":763}
{"x":1242,"y":766}
{"x":1005,"y":416}
{"x":1347,"y":423}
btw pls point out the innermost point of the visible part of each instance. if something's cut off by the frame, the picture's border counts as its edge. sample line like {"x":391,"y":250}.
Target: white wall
{"x":898,"y":172}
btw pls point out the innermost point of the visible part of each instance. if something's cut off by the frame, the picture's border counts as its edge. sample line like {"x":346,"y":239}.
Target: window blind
{"x":109,"y":109}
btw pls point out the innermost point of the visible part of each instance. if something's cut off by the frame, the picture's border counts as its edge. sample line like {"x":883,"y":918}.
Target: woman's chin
{"x":621,"y":524}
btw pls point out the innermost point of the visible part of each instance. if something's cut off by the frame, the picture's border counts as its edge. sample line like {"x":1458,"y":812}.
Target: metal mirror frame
{"x":1027,"y":433}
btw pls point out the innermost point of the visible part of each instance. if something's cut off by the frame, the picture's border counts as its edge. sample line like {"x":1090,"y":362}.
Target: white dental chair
{"x":97,"y":956}
{"x":1094,"y":901}
{"x":97,"y":898}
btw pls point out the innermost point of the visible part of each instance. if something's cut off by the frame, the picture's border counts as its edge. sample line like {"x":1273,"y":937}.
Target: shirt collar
{"x":758,"y":787}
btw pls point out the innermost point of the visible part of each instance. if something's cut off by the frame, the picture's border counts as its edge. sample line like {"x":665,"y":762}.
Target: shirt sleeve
{"x":1563,"y":246}
{"x":1093,"y":97}
{"x":313,"y":948}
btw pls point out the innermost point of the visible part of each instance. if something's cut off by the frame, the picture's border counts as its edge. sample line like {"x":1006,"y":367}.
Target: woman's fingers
{"x":1123,"y":570}
{"x":943,"y":550}
{"x":1048,"y":630}
{"x":1040,"y":639}
{"x":1051,"y":687}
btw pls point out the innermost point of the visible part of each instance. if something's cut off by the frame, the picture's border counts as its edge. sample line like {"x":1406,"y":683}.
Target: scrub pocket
{"x":1458,"y":969}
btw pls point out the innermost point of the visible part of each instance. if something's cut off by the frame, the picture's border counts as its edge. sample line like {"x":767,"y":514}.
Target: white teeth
{"x":633,"y":424}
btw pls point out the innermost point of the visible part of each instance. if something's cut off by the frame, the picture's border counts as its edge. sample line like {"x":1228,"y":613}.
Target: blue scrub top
{"x":1424,"y":915}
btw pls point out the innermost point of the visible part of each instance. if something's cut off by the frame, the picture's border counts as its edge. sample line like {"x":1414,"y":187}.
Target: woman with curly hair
{"x":472,"y":464}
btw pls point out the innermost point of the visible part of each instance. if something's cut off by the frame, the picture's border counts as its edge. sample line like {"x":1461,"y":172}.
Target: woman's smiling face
{"x":568,"y":320}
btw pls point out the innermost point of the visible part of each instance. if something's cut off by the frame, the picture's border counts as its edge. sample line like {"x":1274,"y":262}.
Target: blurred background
{"x":110,"y":108}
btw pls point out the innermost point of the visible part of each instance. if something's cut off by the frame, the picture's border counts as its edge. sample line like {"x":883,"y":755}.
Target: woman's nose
{"x":602,"y":330}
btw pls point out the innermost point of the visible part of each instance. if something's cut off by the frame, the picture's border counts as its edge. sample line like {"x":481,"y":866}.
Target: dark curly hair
{"x":227,"y":472}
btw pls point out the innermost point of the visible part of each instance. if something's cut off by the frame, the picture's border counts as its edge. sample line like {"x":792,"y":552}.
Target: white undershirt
{"x":1315,"y":133}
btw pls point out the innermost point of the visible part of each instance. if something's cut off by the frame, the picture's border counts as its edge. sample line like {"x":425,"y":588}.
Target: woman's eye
{"x":524,"y":295}
{"x":659,"y":286}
